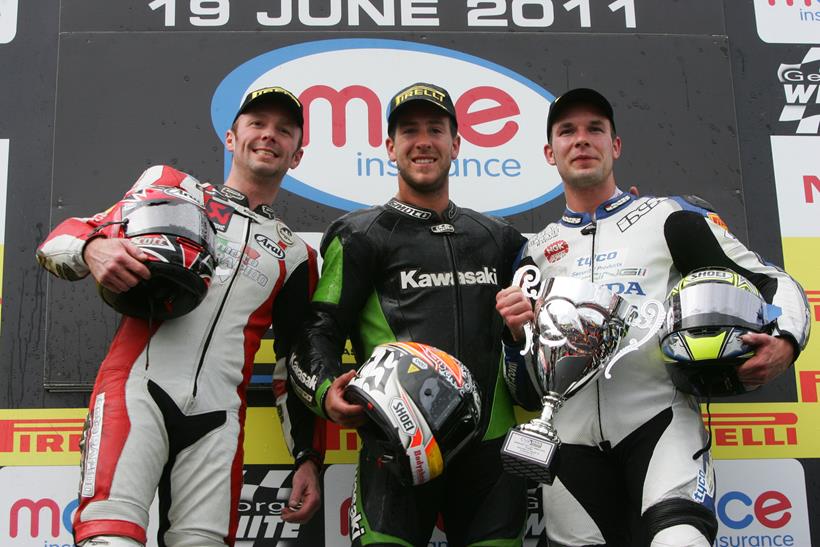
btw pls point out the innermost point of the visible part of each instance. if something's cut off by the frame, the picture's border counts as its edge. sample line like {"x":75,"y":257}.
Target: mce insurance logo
{"x":345,"y":86}
{"x":788,"y":21}
{"x":8,"y":20}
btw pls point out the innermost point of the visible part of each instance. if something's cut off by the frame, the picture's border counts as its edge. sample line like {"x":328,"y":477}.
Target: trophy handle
{"x":528,"y":278}
{"x":651,"y":315}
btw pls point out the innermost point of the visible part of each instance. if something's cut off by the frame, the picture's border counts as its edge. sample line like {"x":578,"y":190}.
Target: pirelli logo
{"x":342,"y":439}
{"x":814,"y":303}
{"x":767,"y":429}
{"x":26,"y":437}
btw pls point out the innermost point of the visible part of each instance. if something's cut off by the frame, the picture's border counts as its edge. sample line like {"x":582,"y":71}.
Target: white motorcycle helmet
{"x":707,"y":313}
{"x":178,"y":239}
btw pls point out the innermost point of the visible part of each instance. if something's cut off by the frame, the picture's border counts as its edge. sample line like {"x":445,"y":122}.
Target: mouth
{"x":423,"y":161}
{"x":265,"y":152}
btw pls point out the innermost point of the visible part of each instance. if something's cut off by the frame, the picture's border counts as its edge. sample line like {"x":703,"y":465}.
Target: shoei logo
{"x":345,"y":86}
{"x":788,"y":21}
{"x":403,"y":416}
{"x":801,"y":90}
{"x":8,"y":20}
{"x":762,"y":502}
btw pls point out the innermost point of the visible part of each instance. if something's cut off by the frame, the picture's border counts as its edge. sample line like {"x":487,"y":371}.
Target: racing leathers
{"x":625,"y":469}
{"x":401,"y":273}
{"x":168,"y":406}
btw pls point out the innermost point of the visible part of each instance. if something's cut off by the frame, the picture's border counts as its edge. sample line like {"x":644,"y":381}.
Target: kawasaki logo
{"x":413,"y":280}
{"x":309,"y":381}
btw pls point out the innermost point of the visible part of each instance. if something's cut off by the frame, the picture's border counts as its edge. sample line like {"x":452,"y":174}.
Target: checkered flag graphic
{"x":801,"y":86}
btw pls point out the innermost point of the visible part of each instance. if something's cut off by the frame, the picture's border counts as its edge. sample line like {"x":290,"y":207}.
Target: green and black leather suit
{"x":400,"y":273}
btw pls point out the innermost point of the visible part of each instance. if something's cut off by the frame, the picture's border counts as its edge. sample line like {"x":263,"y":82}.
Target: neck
{"x":258,"y":190}
{"x":587,"y":200}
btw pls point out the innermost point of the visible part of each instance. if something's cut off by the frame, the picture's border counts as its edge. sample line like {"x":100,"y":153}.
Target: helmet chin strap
{"x":708,"y":444}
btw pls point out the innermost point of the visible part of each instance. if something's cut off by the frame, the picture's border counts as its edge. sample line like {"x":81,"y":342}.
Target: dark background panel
{"x":119,"y":111}
{"x":28,"y":65}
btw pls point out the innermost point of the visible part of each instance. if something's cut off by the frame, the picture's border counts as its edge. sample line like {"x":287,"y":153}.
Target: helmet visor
{"x":169,"y":217}
{"x":715,"y":305}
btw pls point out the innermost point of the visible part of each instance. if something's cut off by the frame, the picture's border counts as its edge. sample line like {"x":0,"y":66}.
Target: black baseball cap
{"x":580,"y":95}
{"x":420,"y":91}
{"x":275,"y":93}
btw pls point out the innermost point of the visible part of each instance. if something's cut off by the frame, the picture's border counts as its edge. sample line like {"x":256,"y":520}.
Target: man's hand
{"x":306,"y":495}
{"x":338,"y":409}
{"x":515,"y":308}
{"x":772,"y":356}
{"x":116,"y":264}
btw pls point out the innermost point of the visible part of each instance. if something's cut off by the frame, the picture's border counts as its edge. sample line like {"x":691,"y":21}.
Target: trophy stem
{"x":543,"y":424}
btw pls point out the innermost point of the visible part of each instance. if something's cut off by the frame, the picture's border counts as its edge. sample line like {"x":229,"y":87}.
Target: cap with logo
{"x":278,"y":94}
{"x":420,"y":91}
{"x":573,"y":97}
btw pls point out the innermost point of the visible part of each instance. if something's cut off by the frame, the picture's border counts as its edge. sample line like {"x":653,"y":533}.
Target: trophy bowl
{"x":576,"y":333}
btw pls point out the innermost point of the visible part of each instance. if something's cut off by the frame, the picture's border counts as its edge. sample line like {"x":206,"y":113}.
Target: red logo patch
{"x":556,"y":250}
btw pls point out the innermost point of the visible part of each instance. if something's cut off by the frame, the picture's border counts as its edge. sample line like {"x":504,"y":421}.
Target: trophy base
{"x":529,"y":455}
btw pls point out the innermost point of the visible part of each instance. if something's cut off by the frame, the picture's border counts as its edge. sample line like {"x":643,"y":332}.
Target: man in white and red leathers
{"x":168,"y":406}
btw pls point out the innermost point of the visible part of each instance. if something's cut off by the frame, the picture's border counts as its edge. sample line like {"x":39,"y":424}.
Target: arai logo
{"x":345,"y":85}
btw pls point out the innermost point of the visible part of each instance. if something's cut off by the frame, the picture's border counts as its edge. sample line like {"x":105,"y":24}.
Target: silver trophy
{"x":578,"y":329}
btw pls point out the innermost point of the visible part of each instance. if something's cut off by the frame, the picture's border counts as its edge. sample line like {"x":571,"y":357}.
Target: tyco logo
{"x":497,"y":169}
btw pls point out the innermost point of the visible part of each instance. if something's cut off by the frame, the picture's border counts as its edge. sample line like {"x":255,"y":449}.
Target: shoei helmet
{"x":707,"y":313}
{"x":173,"y":230}
{"x":423,"y":407}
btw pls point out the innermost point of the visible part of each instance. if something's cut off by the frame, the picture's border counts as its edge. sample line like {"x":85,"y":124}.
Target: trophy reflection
{"x":575,"y":336}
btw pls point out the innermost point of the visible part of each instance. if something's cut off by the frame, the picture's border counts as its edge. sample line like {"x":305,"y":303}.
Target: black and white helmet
{"x":423,"y":407}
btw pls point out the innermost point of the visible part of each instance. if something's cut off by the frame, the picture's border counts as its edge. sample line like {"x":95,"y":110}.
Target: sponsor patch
{"x":285,"y":234}
{"x":637,"y":213}
{"x":556,"y":250}
{"x":412,"y":279}
{"x":408,"y":210}
{"x":91,"y":450}
{"x":270,"y":246}
{"x":443,"y":229}
{"x":575,"y":221}
{"x":617,"y":203}
{"x":714,"y":217}
{"x":402,"y":414}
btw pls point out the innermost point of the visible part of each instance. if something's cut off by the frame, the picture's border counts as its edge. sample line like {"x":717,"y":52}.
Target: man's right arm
{"x":317,"y":373}
{"x":79,"y":246}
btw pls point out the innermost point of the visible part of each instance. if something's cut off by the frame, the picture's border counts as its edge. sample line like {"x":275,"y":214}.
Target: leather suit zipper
{"x":222,"y":305}
{"x":457,"y":287}
{"x":597,"y":382}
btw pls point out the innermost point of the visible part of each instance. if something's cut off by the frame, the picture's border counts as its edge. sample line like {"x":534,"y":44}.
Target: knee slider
{"x":680,"y":511}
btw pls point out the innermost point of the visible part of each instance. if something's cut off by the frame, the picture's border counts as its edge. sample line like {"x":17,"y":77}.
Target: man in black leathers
{"x":419,"y":268}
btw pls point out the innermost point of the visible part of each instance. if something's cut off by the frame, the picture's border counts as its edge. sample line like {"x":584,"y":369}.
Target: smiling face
{"x":265,"y":141}
{"x":423,"y":146}
{"x":583,"y":148}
